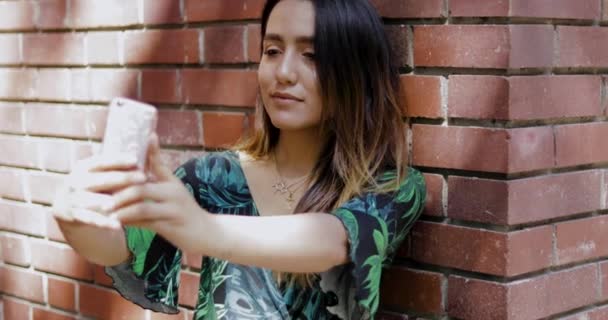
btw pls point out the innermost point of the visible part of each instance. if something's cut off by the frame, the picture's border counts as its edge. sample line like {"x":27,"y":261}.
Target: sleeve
{"x":150,"y":278}
{"x":376,"y":224}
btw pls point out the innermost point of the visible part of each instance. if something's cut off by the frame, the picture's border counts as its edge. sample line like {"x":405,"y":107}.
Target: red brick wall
{"x":507,"y":100}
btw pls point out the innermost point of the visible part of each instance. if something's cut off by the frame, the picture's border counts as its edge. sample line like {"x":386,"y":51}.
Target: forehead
{"x":292,"y":19}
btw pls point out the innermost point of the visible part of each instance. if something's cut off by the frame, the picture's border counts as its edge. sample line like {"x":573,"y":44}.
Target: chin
{"x":293,"y":125}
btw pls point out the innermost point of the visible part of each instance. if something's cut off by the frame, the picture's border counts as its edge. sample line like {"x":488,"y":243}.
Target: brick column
{"x":508,"y":120}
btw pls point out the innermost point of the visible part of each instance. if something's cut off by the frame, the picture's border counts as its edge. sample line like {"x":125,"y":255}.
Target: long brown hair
{"x":361,"y":120}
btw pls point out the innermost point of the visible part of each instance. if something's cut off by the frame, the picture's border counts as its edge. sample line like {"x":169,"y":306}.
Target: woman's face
{"x":287,"y":74}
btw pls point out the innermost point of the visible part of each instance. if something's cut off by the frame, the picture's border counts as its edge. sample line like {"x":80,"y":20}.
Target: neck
{"x":297,"y":152}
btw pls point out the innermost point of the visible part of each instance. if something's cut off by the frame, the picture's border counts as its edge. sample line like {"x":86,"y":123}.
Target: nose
{"x":286,"y":70}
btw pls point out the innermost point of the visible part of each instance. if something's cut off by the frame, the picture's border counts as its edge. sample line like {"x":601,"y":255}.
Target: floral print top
{"x":376,"y":224}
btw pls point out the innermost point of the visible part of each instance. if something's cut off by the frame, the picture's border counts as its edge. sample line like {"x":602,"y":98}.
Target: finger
{"x":108,"y":181}
{"x":91,"y":201}
{"x":157,"y":192}
{"x":94,"y":218}
{"x":141,"y":211}
{"x":121,"y":161}
{"x":156,"y":166}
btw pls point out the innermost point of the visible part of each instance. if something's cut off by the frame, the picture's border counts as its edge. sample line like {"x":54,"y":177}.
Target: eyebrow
{"x":277,"y":37}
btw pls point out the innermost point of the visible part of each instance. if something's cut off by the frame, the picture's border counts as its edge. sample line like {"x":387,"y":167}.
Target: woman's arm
{"x":305,"y":242}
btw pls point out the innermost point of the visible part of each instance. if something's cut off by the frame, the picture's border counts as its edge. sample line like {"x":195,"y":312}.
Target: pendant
{"x":280,"y":187}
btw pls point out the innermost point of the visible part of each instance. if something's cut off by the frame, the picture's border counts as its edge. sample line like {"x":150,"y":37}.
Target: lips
{"x":285,"y":96}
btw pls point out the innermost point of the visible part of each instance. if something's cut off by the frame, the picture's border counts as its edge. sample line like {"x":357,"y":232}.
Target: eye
{"x":271,"y":51}
{"x":310,"y":55}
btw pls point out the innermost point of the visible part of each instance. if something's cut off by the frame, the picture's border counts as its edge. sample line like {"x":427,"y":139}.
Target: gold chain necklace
{"x":282,"y":188}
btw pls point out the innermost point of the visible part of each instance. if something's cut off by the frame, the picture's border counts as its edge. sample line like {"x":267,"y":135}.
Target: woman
{"x":297,"y":221}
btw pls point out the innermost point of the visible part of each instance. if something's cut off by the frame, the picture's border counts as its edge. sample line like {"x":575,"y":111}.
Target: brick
{"x":423,"y":294}
{"x":53,"y":14}
{"x":483,"y":149}
{"x":552,"y":293}
{"x":103,"y":47}
{"x":11,"y":117}
{"x":554,"y":196}
{"x":434,"y":195}
{"x":43,"y":185}
{"x":60,"y":259}
{"x":21,"y":283}
{"x":43,"y":314}
{"x":523,"y":200}
{"x":481,"y":200}
{"x":224,"y":44}
{"x":13,"y":184}
{"x":193,"y":261}
{"x":54,"y":49}
{"x":163,"y":316}
{"x":409,"y":8}
{"x":400,"y":39}
{"x":220,"y":87}
{"x":474,"y":299}
{"x":581,"y":239}
{"x":15,"y":250}
{"x":57,"y":120}
{"x":254,"y":43}
{"x":18,"y":83}
{"x":17,"y":15}
{"x":15,"y":309}
{"x":531,"y":298}
{"x":188,"y":289}
{"x":187,"y":133}
{"x":530,"y":148}
{"x":558,"y":9}
{"x":215,"y":10}
{"x":478,"y":97}
{"x":161,"y":46}
{"x":106,"y":304}
{"x":162,"y":12}
{"x":489,"y":252}
{"x":487,"y":46}
{"x":54,"y":84}
{"x":9,"y":49}
{"x":536,"y":97}
{"x":472,"y":8}
{"x":462,"y":46}
{"x":582,"y":47}
{"x":578,"y":144}
{"x":62,"y":294}
{"x":100,"y":276}
{"x":222,"y":129}
{"x":104,"y":84}
{"x":422,"y":96}
{"x":18,"y":152}
{"x":604,"y":278}
{"x":54,"y":155}
{"x":524,"y":37}
{"x":22,"y":218}
{"x":160,"y":86}
{"x":110,"y":13}
{"x":598,"y":313}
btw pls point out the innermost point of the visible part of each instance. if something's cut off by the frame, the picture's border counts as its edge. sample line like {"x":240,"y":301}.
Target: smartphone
{"x":128,"y":129}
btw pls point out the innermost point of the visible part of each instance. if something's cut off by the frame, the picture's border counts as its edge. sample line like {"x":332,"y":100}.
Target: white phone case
{"x":128,"y":129}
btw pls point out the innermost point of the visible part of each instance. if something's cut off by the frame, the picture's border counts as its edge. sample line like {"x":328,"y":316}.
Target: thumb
{"x":155,"y":164}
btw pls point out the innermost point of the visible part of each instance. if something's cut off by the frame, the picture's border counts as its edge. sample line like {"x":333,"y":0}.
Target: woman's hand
{"x":86,"y":190}
{"x":163,"y":205}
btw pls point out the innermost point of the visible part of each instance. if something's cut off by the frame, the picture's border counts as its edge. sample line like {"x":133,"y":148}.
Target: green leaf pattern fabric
{"x":376,"y":225}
